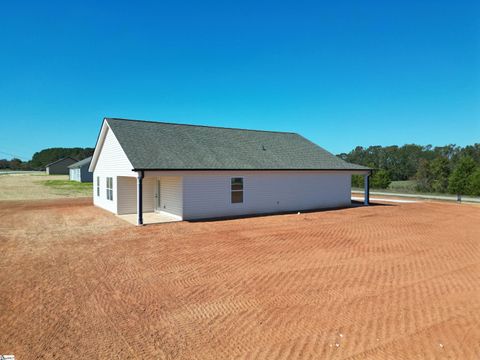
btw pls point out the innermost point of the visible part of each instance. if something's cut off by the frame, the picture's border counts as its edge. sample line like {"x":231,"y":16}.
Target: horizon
{"x":342,"y":75}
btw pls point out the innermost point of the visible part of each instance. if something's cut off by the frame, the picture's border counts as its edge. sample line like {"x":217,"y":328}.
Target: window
{"x":237,"y":190}
{"x":98,"y":186}
{"x":109,"y":188}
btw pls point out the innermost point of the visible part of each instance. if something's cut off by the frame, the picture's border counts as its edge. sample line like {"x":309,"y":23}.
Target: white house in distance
{"x":195,"y":172}
{"x":79,"y":171}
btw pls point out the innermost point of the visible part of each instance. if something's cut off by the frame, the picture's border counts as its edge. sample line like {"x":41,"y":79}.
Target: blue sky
{"x":342,"y":73}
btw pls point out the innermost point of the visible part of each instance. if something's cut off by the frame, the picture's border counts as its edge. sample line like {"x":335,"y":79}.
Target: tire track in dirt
{"x":380,"y":281}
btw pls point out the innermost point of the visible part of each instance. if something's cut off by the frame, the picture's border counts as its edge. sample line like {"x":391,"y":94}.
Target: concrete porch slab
{"x":150,"y":218}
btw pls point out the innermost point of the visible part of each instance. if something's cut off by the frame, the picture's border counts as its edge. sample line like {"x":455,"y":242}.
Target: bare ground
{"x":379,"y":282}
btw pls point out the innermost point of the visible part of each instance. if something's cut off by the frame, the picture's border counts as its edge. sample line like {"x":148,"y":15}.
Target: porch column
{"x":367,"y":189}
{"x":140,"y":197}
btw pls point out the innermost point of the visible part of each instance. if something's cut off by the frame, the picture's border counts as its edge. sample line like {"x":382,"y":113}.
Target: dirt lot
{"x":379,"y":282}
{"x":31,"y":185}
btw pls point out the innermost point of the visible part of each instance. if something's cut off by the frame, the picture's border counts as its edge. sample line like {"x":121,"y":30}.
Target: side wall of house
{"x":61,"y":167}
{"x":209,"y":194}
{"x":171,"y":195}
{"x":85,"y":175}
{"x":75,"y":174}
{"x":112,"y":162}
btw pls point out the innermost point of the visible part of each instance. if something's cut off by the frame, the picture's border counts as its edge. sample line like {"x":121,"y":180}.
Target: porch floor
{"x":150,"y":218}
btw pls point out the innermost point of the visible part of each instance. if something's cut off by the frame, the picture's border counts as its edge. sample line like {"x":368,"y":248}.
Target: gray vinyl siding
{"x":85,"y":175}
{"x":60,"y":167}
{"x":81,"y":174}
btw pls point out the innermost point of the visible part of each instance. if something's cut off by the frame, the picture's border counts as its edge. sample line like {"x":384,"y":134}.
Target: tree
{"x":473,"y":187}
{"x":380,"y":179}
{"x":459,"y":180}
{"x":357,"y":181}
{"x":13,"y":164}
{"x":440,"y":171}
{"x":424,"y":176}
{"x":431,"y":166}
{"x":42,"y":158}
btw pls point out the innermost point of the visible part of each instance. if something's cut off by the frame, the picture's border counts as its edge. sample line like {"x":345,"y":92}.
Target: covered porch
{"x":150,"y":198}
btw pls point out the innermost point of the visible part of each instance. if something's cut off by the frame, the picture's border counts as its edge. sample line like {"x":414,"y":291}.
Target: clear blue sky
{"x":342,"y":73}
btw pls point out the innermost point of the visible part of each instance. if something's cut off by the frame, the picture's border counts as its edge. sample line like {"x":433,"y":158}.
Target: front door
{"x":157,"y":196}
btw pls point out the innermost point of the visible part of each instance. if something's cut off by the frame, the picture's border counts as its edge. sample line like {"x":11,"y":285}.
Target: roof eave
{"x":246,"y":169}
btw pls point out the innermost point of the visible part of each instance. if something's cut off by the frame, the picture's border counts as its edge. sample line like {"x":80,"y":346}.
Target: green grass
{"x":403,"y":186}
{"x":67,"y":185}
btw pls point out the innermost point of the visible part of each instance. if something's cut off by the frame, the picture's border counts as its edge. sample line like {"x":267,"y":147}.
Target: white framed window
{"x":109,"y":188}
{"x":237,"y":190}
{"x":98,"y":186}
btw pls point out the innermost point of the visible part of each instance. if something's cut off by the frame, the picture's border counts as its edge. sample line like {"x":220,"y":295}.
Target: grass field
{"x":37,"y":185}
{"x":68,"y":185}
{"x":378,"y":282}
{"x":405,"y":187}
{"x":408,"y":186}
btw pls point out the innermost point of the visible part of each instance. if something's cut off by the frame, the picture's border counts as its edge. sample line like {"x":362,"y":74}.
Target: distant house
{"x":79,"y":171}
{"x":195,"y":172}
{"x":60,"y":167}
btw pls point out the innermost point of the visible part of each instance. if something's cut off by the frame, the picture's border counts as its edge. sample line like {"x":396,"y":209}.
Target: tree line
{"x":44,"y":157}
{"x":441,"y":169}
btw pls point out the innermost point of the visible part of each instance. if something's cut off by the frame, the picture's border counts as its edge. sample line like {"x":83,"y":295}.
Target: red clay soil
{"x":380,"y":282}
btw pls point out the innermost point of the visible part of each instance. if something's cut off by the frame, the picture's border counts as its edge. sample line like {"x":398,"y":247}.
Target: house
{"x":196,"y":172}
{"x":79,"y":171}
{"x":60,"y":167}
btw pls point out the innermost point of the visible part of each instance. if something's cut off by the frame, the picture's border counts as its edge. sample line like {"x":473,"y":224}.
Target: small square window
{"x":237,"y":190}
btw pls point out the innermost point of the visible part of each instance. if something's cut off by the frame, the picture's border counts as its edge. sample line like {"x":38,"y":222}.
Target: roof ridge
{"x":206,"y":126}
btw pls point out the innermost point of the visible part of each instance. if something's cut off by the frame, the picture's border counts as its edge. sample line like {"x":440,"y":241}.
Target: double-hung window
{"x":109,"y":188}
{"x":237,"y":190}
{"x":98,"y":186}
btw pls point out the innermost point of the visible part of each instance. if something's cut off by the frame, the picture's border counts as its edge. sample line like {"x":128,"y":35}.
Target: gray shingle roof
{"x":81,"y":163}
{"x":59,"y":160}
{"x":161,"y":146}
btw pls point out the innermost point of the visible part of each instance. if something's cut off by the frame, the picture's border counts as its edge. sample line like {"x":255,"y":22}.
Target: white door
{"x":158,"y":206}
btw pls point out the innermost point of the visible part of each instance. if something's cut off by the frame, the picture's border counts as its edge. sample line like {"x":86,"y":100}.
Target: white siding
{"x":112,"y":158}
{"x":102,"y":201}
{"x":112,"y":162}
{"x":209,"y":194}
{"x":127,"y":199}
{"x":75,"y":174}
{"x":171,"y":195}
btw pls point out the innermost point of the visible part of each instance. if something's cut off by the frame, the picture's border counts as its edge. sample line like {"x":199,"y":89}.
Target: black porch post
{"x":139,"y":198}
{"x":367,"y":189}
